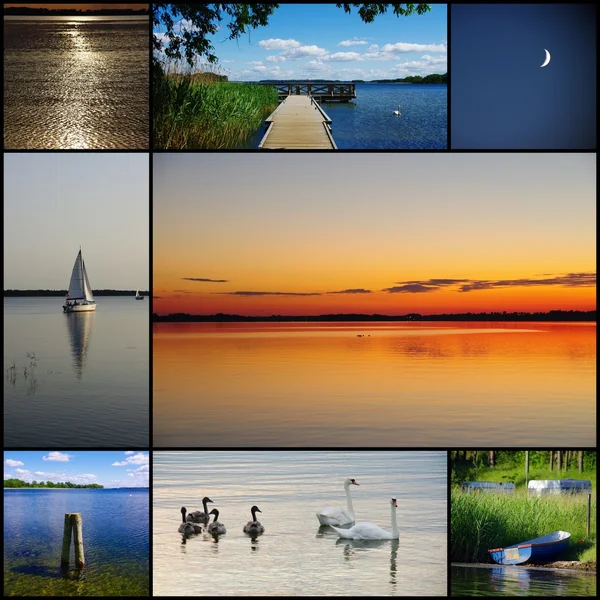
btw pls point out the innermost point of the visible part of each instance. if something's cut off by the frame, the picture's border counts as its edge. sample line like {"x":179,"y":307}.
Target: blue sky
{"x":110,"y":469}
{"x":321,"y":41}
{"x":56,"y":201}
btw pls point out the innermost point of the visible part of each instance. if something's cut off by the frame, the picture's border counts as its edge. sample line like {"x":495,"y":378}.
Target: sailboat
{"x":137,"y":294}
{"x":79,"y":296}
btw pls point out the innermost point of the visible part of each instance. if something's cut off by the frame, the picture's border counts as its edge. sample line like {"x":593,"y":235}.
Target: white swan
{"x":199,"y":516}
{"x":187,"y":528}
{"x":369,"y":531}
{"x":254,"y":527}
{"x":336,"y":515}
{"x":216,"y":528}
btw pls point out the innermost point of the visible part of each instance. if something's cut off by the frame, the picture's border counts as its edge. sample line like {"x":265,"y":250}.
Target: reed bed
{"x":479,"y":522}
{"x":201,"y":111}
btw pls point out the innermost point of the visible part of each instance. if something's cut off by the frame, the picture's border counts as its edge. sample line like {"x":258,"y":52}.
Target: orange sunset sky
{"x":308,"y":234}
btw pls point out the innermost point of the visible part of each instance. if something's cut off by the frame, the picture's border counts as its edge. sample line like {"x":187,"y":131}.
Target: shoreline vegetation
{"x":480,"y":521}
{"x":25,"y":11}
{"x":203,"y":110}
{"x":62,"y":293}
{"x":551,"y":316}
{"x":19,"y":483}
{"x":435,"y":78}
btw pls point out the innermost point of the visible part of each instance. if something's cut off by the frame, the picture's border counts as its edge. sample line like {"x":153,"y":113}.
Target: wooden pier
{"x":323,"y":92}
{"x":298,"y":123}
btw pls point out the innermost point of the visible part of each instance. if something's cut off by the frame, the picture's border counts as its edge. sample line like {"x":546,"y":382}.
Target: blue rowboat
{"x":541,"y":550}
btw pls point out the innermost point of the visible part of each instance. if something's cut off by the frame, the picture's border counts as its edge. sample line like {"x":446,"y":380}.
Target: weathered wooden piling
{"x":73,"y":527}
{"x":589,"y":506}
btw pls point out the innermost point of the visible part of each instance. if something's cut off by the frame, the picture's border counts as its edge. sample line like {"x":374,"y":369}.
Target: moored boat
{"x":539,"y":550}
{"x":137,"y":294}
{"x":79,"y":296}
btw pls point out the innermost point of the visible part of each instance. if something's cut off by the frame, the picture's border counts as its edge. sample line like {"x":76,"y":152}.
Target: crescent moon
{"x":547,"y":58}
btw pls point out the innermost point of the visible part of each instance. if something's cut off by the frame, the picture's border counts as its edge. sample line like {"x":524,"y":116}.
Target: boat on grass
{"x":540,"y":550}
{"x":79,"y":296}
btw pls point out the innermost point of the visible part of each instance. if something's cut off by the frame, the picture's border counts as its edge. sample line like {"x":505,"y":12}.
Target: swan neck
{"x":205,"y":507}
{"x":395,"y":530}
{"x":349,"y":499}
{"x":183,"y":517}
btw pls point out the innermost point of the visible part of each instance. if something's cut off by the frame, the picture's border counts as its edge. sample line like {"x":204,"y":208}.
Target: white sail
{"x":77,"y":283}
{"x":87,"y":288}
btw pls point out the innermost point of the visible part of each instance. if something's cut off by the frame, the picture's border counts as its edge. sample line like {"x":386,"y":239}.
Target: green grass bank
{"x":479,"y":522}
{"x":199,"y":112}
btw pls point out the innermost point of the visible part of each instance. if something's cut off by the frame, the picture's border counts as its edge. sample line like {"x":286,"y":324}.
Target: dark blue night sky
{"x":500,"y":96}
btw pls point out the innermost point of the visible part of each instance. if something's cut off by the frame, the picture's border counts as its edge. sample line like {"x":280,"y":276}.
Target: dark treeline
{"x":433,"y":78}
{"x":63,"y":293}
{"x":19,"y":483}
{"x":25,"y":11}
{"x":555,"y":460}
{"x":553,"y":315}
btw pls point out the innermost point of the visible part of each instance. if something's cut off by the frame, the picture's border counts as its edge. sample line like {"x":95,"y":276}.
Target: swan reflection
{"x":79,"y":327}
{"x":353,"y":549}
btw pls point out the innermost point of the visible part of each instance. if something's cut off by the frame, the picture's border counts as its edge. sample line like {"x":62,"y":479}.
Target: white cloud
{"x":55,"y":477}
{"x":260,"y":69}
{"x":255,"y":62}
{"x":133,"y":459}
{"x":228,"y":61}
{"x":9,"y":462}
{"x":373,"y":48}
{"x":129,"y":452}
{"x":278,"y":44}
{"x":391,"y":51}
{"x":343,"y":57}
{"x":57,"y":456}
{"x":354,"y":42}
{"x":276,"y":59}
{"x":303,"y":52}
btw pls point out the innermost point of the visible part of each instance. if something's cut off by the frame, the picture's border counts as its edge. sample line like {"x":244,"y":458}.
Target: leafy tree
{"x":198,"y":21}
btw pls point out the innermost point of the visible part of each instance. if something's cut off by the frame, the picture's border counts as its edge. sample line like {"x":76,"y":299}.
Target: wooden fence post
{"x":72,"y":528}
{"x":78,"y":540}
{"x":66,"y":545}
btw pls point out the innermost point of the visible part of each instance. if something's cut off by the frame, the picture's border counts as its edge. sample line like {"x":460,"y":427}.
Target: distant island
{"x":433,"y":78}
{"x":553,"y":315}
{"x":19,"y":483}
{"x":12,"y":293}
{"x":25,"y":11}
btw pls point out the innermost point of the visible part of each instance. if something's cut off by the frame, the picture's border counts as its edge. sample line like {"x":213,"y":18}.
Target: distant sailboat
{"x":397,"y":112}
{"x":79,"y":296}
{"x":137,"y":294}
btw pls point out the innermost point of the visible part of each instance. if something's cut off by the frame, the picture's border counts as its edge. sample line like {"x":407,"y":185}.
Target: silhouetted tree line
{"x":24,"y":11}
{"x":433,"y":78}
{"x":11,"y":293}
{"x":553,"y":315}
{"x":19,"y":483}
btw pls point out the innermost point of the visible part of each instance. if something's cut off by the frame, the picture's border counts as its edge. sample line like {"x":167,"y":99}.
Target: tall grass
{"x":479,"y":522}
{"x":201,"y":111}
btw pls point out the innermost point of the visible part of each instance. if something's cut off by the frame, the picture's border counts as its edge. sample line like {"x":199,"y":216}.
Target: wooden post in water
{"x":66,"y":546}
{"x":73,"y":523}
{"x":588,"y":514}
{"x":78,"y":540}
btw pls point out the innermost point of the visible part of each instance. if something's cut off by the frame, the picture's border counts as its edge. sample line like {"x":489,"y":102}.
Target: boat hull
{"x":79,"y":308}
{"x":540,"y":550}
{"x":139,"y":297}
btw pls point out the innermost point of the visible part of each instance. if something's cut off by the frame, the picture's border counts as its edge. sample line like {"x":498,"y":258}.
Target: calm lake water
{"x":76,"y":82}
{"x":295,"y":556}
{"x":116,"y":539}
{"x":368,"y":122}
{"x":409,"y":384}
{"x":520,"y":581}
{"x":90,"y":387}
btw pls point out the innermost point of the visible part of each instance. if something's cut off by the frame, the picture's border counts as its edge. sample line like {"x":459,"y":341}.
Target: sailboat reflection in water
{"x":80,"y":333}
{"x":79,"y":296}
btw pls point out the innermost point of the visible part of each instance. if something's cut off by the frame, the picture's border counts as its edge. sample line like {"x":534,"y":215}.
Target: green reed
{"x":479,"y":522}
{"x":201,"y":111}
